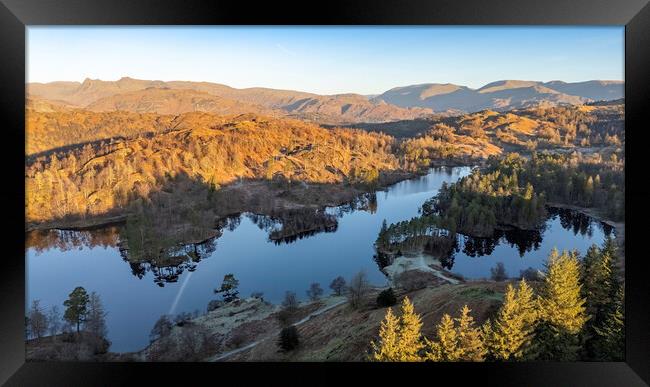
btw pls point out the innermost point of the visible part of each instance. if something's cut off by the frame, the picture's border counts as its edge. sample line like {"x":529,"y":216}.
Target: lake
{"x":137,"y":294}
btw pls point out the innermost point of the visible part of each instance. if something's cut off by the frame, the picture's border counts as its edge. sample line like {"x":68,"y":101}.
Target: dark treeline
{"x":582,"y":180}
{"x":477,"y":204}
{"x":512,"y":191}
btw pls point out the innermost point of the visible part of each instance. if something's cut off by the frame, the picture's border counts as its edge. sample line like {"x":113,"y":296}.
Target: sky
{"x":326,"y":60}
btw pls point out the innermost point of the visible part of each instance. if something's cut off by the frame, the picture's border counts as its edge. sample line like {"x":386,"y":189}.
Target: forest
{"x":109,"y":177}
{"x":86,"y":167}
{"x":513,"y":191}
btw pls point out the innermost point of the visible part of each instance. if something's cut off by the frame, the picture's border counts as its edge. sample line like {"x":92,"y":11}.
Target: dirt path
{"x":419,"y":262}
{"x":254,"y":343}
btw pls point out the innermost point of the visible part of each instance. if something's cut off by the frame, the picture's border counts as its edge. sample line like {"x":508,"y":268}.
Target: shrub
{"x":530,"y":274}
{"x":386,"y":298}
{"x":288,"y":339}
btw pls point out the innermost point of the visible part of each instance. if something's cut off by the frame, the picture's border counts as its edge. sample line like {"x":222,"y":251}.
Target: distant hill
{"x":501,"y":95}
{"x":400,"y":103}
{"x":178,"y":97}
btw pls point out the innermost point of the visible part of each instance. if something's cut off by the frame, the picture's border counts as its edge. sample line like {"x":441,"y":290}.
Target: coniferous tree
{"x":410,"y":337}
{"x":399,"y":337}
{"x":76,"y":307}
{"x":445,"y":348}
{"x":229,"y":288}
{"x":562,"y":309}
{"x":609,"y":340}
{"x":470,"y":339}
{"x":387,"y":349}
{"x":604,"y":295}
{"x":508,"y":338}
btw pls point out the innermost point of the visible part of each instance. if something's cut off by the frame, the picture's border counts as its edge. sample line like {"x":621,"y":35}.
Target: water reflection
{"x":445,"y":246}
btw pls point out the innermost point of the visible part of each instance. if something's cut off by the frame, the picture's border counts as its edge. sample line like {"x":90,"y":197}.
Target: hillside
{"x":203,"y":154}
{"x":400,"y":103}
{"x":500,"y":95}
{"x":84,"y":166}
{"x":175,"y":101}
{"x":178,"y":97}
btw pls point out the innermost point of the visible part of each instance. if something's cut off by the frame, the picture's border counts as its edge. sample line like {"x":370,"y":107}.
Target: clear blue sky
{"x":326,"y":60}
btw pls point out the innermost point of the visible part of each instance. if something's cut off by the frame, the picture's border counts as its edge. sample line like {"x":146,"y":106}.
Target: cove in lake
{"x":253,"y":248}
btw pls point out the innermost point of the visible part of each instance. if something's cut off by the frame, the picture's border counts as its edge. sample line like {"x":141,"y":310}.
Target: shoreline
{"x":336,"y":199}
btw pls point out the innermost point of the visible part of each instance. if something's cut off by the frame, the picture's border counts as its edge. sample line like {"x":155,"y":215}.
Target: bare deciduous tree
{"x":359,"y":287}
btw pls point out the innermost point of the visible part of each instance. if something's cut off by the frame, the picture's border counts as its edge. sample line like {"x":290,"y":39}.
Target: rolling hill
{"x":501,"y":95}
{"x":179,"y":97}
{"x":400,"y":103}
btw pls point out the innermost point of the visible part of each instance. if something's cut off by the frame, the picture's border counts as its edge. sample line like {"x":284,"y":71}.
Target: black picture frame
{"x":15,"y":15}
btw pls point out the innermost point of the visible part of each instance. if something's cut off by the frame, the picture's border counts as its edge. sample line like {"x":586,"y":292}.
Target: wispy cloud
{"x":285,"y":50}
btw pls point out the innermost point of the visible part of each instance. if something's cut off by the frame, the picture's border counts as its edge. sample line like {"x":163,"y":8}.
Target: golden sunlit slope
{"x":171,"y":101}
{"x":56,"y":127}
{"x":105,"y":177}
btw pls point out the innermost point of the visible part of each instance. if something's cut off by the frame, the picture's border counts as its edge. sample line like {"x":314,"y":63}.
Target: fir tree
{"x":562,"y":303}
{"x":410,"y":337}
{"x":470,"y":340}
{"x":604,"y":294}
{"x":387,"y":349}
{"x":508,"y":338}
{"x":399,"y":337}
{"x":609,"y":341}
{"x":445,"y":348}
{"x":562,"y":308}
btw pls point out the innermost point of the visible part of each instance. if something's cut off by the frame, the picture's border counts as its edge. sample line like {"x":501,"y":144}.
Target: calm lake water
{"x":136,"y":297}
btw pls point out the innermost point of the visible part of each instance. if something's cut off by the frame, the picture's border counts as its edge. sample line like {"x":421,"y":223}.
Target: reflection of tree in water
{"x":408,"y":236}
{"x":363,"y":202}
{"x":524,"y":240}
{"x":448,"y":254}
{"x":169,"y":265}
{"x":287,"y":226}
{"x":578,"y":222}
{"x":66,"y":240}
{"x":167,"y":241}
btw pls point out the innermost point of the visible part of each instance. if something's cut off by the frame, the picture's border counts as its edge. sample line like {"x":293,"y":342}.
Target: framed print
{"x":273,"y":192}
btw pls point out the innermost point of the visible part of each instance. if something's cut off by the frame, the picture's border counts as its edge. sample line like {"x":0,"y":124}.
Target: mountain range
{"x":400,"y":103}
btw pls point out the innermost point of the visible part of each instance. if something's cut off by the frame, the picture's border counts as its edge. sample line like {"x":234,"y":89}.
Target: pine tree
{"x":410,"y":340}
{"x":562,"y":309}
{"x":399,"y":337}
{"x":229,"y":288}
{"x":610,"y":334}
{"x":387,"y":349}
{"x":509,"y":337}
{"x":562,"y":303}
{"x":604,"y":294}
{"x":445,"y":348}
{"x":470,"y":339}
{"x":76,"y":306}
